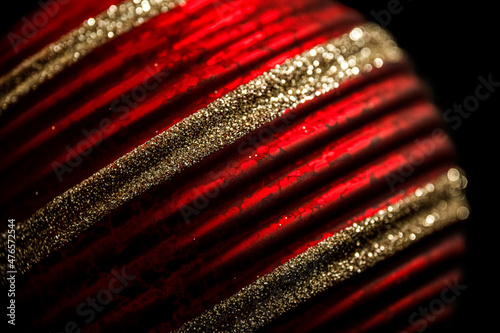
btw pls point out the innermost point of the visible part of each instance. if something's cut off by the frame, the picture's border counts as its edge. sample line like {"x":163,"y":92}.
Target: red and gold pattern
{"x":256,"y":165}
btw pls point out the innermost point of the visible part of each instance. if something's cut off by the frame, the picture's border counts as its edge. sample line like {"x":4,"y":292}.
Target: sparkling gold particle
{"x":429,"y":220}
{"x":441,"y":205}
{"x":453,"y":175}
{"x":356,"y":34}
{"x":336,"y":259}
{"x":462,"y":212}
{"x":76,"y":44}
{"x":186,"y":143}
{"x":378,"y":62}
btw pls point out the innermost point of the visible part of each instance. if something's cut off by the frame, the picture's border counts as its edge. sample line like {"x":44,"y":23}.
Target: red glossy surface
{"x":238,"y":214}
{"x":407,"y":303}
{"x":228,"y":174}
{"x":188,"y":86}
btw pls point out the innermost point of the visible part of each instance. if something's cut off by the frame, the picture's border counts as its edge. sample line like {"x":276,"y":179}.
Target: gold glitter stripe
{"x":338,"y":258}
{"x":221,"y":123}
{"x":76,"y":44}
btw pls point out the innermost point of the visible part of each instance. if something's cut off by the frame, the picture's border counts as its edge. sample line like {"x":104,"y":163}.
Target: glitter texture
{"x":73,"y":46}
{"x":221,"y":123}
{"x":338,"y":258}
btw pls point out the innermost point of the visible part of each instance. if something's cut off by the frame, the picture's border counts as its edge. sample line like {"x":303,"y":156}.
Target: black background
{"x":450,"y":45}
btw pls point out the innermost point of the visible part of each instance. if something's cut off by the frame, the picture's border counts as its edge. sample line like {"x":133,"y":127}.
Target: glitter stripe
{"x":338,"y":258}
{"x":221,"y":123}
{"x":73,"y":46}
